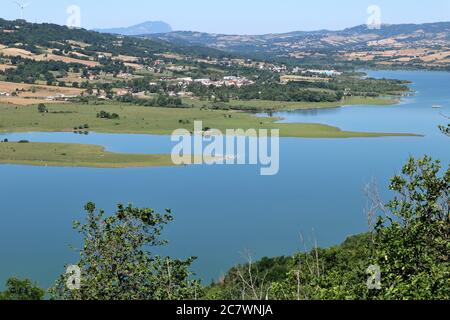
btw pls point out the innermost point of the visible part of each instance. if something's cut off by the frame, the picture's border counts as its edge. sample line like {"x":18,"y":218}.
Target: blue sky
{"x":233,"y":16}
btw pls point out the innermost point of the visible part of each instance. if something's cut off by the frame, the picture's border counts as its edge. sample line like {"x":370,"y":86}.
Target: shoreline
{"x":163,"y":121}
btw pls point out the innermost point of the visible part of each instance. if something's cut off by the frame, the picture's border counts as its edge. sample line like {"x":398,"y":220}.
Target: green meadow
{"x":266,"y":105}
{"x":153,"y":120}
{"x":132,"y":120}
{"x":75,"y":155}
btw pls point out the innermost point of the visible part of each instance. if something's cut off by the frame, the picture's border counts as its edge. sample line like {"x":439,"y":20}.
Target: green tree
{"x":42,"y":108}
{"x":21,"y":290}
{"x":412,"y":238}
{"x":410,"y":242}
{"x":116,"y":263}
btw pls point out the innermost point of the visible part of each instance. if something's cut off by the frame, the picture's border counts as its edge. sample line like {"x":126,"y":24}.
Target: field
{"x":14,"y":52}
{"x":290,"y":78}
{"x":152,"y":120}
{"x":3,"y":67}
{"x":75,"y":155}
{"x":39,"y":89}
{"x":29,"y":94}
{"x":427,"y":56}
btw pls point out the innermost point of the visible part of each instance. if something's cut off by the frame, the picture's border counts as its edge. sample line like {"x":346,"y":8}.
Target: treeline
{"x":404,"y":257}
{"x":369,"y":86}
{"x":54,"y":36}
{"x":159,"y":101}
{"x":29,"y":71}
{"x":334,"y":273}
{"x":293,"y":92}
{"x":355,"y":84}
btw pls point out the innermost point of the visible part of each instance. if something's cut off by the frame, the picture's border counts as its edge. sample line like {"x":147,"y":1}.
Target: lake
{"x":221,"y":212}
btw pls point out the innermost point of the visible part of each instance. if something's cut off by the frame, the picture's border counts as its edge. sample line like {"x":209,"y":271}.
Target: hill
{"x":149,"y":27}
{"x":33,"y":37}
{"x":405,"y":45}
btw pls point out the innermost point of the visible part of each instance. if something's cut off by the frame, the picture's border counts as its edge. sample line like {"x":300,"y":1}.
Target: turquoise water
{"x":223,"y":211}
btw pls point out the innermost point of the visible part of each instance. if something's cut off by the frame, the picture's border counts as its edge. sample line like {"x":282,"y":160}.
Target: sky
{"x":231,"y":16}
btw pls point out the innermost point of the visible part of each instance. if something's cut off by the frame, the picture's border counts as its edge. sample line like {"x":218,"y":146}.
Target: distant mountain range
{"x":391,"y":46}
{"x":149,"y":27}
{"x":351,"y":38}
{"x":405,"y":45}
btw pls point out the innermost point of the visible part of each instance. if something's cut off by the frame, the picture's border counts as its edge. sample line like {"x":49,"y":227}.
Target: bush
{"x":106,"y":115}
{"x":116,"y":262}
{"x":21,"y":290}
{"x":42,"y":108}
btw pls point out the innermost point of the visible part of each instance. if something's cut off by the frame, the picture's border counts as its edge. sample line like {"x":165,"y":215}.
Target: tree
{"x":412,"y":238}
{"x":21,"y":290}
{"x":116,"y":263}
{"x":42,"y":108}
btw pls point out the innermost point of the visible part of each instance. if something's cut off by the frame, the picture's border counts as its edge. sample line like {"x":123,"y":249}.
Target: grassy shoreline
{"x":157,"y":121}
{"x":136,"y":120}
{"x":76,"y":155}
{"x":275,"y":106}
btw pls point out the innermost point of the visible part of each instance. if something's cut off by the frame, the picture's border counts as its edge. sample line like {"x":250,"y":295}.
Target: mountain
{"x":149,"y":27}
{"x":360,"y":36}
{"x":424,"y":45}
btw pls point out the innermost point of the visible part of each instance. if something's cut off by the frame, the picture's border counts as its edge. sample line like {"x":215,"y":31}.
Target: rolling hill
{"x":419,"y":45}
{"x":149,"y":27}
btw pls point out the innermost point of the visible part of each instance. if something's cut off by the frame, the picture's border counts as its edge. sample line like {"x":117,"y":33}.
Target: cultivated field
{"x":44,"y":57}
{"x":3,"y":67}
{"x":31,"y":94}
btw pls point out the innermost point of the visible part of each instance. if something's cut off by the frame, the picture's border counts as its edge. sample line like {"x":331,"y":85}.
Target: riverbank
{"x":275,"y":106}
{"x":157,"y":121}
{"x":75,"y":155}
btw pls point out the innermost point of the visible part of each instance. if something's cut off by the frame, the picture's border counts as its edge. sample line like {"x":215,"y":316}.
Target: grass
{"x":133,"y":119}
{"x":281,"y":105}
{"x":75,"y":155}
{"x":159,"y":121}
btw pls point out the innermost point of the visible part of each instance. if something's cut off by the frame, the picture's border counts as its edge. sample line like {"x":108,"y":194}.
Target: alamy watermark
{"x":74,"y":17}
{"x":235,"y":147}
{"x":74,"y":278}
{"x":374,"y":280}
{"x":374,"y":19}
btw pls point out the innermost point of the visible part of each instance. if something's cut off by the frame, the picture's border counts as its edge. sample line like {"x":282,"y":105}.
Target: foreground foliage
{"x":17,"y":289}
{"x":410,"y":242}
{"x":116,"y":263}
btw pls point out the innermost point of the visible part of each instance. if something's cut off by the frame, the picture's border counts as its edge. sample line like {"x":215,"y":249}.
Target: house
{"x":205,"y":82}
{"x":123,"y":92}
{"x":187,"y":80}
{"x":185,"y":94}
{"x":330,"y":73}
{"x":60,"y":97}
{"x":124,"y":75}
